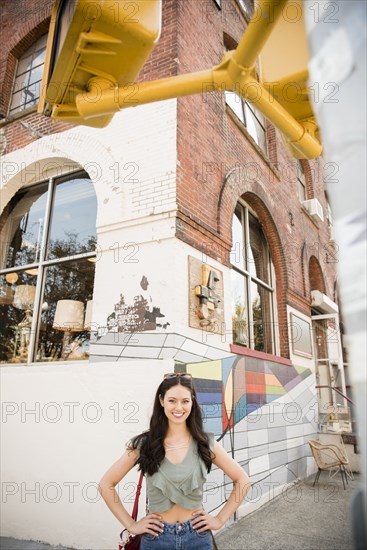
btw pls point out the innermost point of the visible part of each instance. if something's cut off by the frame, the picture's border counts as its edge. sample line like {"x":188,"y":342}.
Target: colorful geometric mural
{"x":229,"y":389}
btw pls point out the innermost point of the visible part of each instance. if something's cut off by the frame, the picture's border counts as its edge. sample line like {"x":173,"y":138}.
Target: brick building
{"x":183,"y":231}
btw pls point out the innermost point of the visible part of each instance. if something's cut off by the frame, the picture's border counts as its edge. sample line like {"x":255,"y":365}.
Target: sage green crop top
{"x":181,"y":483}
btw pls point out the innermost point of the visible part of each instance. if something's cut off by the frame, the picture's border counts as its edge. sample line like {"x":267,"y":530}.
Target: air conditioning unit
{"x":314,"y":208}
{"x":322,"y":302}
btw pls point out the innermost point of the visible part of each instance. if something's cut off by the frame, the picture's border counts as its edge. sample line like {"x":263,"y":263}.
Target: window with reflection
{"x":246,"y":112}
{"x":252,"y":284}
{"x":28,"y":78}
{"x":301,"y":182}
{"x":250,"y":117}
{"x":48,"y":243}
{"x":248,"y":7}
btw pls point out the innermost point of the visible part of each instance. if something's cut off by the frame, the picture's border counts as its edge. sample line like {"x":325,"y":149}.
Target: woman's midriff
{"x":175,"y":514}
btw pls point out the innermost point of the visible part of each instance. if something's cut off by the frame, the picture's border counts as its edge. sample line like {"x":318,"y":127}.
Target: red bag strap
{"x":134,"y":514}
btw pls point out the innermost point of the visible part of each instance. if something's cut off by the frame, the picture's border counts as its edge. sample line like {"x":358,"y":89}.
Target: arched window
{"x":28,"y":77}
{"x":48,"y":238}
{"x":253,"y":284}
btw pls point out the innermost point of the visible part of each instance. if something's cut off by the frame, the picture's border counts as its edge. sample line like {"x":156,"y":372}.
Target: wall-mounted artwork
{"x":206,"y":301}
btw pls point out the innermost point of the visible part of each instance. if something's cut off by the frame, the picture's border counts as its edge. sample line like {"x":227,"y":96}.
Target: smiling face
{"x":177,"y":403}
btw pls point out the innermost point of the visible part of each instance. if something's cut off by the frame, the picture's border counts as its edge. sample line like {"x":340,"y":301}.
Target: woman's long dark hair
{"x":150,"y":443}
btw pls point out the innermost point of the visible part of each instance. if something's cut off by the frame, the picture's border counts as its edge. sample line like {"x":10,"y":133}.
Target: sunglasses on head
{"x":170,"y":375}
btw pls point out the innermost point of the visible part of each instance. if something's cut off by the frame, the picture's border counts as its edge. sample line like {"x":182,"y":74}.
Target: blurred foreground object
{"x":95,"y":45}
{"x":94,"y":56}
{"x":337,"y":37}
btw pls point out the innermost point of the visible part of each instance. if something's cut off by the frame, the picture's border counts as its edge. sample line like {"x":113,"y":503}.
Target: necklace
{"x":179,"y":446}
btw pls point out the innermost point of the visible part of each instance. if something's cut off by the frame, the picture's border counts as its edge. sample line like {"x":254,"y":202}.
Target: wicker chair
{"x":329,"y":457}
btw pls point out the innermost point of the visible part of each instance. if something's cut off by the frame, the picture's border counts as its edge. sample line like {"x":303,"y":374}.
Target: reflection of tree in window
{"x":258,"y":324}
{"x":252,"y":284}
{"x":65,"y":281}
{"x":23,"y":230}
{"x":239,"y":310}
{"x":48,"y":239}
{"x":239,"y":324}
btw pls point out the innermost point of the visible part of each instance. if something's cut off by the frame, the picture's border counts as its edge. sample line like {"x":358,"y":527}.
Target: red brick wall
{"x":22,"y":23}
{"x":211,"y":144}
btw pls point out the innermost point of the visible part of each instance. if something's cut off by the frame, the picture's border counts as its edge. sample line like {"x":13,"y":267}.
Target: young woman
{"x":175,"y":455}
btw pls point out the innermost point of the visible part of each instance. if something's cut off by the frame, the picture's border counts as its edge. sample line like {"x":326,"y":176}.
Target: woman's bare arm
{"x":110,"y":479}
{"x":241,"y":486}
{"x":241,"y":482}
{"x":149,"y":524}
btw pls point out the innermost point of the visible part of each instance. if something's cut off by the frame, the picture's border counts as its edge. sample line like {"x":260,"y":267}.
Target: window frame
{"x":301,"y":182}
{"x":42,"y":264}
{"x":248,"y":279}
{"x":23,"y":106}
{"x":248,"y":8}
{"x":244,"y":119}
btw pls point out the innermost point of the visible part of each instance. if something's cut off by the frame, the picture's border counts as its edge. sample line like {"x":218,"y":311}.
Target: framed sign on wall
{"x":301,"y":336}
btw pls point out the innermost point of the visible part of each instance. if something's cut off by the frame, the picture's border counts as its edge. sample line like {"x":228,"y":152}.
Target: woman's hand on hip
{"x":205,"y":521}
{"x":152,"y":524}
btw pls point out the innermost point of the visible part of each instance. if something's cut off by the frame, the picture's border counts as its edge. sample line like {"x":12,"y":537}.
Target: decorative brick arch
{"x":315,"y":275}
{"x":253,"y":194}
{"x":70,"y":150}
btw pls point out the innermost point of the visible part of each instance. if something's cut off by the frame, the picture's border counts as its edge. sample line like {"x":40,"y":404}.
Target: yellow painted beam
{"x":112,"y":100}
{"x":99,"y":84}
{"x":265,"y":17}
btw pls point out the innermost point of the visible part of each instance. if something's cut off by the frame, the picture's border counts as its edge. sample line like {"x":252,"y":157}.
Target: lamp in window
{"x":69,"y":317}
{"x":88,"y":315}
{"x":24,"y":296}
{"x":24,"y":299}
{"x":7,"y":290}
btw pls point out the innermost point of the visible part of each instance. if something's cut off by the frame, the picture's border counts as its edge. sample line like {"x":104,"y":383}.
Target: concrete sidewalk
{"x":303,"y":518}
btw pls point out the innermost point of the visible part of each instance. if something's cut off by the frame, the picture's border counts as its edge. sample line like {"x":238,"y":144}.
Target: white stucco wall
{"x":132,"y":162}
{"x":149,"y":248}
{"x":52,"y":458}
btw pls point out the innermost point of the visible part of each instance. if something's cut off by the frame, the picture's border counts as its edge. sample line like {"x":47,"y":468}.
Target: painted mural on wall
{"x":138,"y":316}
{"x":264,"y":413}
{"x":230,"y":389}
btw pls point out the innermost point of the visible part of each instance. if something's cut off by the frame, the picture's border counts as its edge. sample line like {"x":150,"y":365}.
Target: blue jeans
{"x":178,"y":536}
